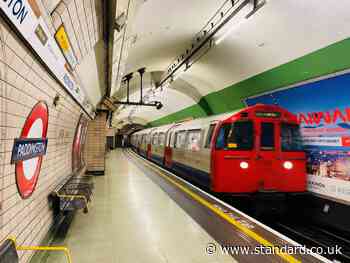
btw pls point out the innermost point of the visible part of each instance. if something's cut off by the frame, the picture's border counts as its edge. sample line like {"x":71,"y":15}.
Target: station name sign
{"x":26,"y":17}
{"x":25,"y":149}
{"x":17,"y":8}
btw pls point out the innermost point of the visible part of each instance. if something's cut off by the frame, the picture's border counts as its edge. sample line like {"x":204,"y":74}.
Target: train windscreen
{"x":236,"y":136}
{"x":291,"y":138}
{"x":267,"y":139}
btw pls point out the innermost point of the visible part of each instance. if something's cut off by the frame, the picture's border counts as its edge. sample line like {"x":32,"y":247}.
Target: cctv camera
{"x":159,"y":105}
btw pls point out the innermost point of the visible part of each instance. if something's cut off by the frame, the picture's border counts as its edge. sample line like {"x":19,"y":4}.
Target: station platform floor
{"x":132,"y":219}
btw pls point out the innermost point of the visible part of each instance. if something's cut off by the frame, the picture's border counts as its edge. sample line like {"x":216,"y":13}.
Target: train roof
{"x":199,"y":123}
{"x":188,"y":124}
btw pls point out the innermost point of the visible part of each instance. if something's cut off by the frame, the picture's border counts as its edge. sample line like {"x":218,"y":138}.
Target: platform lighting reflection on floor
{"x":143,"y":212}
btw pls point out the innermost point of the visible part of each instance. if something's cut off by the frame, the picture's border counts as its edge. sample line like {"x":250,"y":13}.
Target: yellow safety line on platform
{"x":43,"y":248}
{"x":234,"y":222}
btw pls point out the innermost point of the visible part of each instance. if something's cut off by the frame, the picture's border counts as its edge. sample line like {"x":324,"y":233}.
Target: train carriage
{"x":188,"y":151}
{"x":255,"y":150}
{"x":158,"y":141}
{"x":143,"y":142}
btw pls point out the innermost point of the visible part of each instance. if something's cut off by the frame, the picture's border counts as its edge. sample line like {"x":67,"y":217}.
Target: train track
{"x":317,"y":237}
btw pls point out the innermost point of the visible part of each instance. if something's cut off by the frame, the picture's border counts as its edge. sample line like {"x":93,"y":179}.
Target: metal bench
{"x":70,"y":196}
{"x":73,"y":194}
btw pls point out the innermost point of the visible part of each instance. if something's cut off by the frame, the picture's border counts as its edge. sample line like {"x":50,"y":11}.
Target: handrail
{"x":43,"y":248}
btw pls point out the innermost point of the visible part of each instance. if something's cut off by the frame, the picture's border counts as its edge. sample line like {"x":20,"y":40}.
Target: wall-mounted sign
{"x":25,"y":149}
{"x":26,"y":17}
{"x":323,"y":110}
{"x":28,"y":150}
{"x":63,"y":42}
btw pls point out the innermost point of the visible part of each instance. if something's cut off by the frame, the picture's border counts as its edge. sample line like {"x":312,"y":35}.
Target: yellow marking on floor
{"x":220,"y":213}
{"x":65,"y":250}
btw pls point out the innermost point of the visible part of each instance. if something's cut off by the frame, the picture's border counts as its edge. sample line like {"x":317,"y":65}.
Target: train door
{"x":168,"y":150}
{"x":232,"y":160}
{"x":168,"y":156}
{"x":148,"y":145}
{"x":267,"y":154}
{"x":143,"y":145}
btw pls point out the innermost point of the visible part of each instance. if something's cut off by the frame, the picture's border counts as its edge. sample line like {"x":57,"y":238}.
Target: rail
{"x":8,"y":251}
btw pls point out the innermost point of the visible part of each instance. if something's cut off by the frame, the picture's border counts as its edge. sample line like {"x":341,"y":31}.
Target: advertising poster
{"x":323,"y":110}
{"x":66,"y":47}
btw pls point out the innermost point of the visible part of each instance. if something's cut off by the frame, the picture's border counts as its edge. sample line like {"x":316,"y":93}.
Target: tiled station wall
{"x":96,"y":144}
{"x":24,"y":82}
{"x":80,"y":19}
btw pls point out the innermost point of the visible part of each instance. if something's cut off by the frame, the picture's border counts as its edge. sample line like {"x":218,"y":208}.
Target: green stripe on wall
{"x":194,"y":111}
{"x":325,"y":61}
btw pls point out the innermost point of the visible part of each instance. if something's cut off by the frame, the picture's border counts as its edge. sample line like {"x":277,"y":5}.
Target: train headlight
{"x":288,"y":165}
{"x":244,"y":165}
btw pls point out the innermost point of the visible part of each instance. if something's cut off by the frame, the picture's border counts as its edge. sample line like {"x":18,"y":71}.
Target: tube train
{"x":251,"y":152}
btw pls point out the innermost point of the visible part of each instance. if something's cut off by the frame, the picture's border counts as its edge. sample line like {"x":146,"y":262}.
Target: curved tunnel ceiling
{"x":173,"y":100}
{"x":150,"y":79}
{"x":277,"y":34}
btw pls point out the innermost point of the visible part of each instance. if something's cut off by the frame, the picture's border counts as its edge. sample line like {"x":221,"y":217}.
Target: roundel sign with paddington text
{"x":29,"y":149}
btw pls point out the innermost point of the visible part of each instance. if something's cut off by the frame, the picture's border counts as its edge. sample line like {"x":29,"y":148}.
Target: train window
{"x":209,"y":135}
{"x":173,"y":139}
{"x":161,"y":139}
{"x":267,"y":139}
{"x":180,"y":140}
{"x":155,"y":139}
{"x":193,"y":140}
{"x":237,"y":136}
{"x":291,"y":138}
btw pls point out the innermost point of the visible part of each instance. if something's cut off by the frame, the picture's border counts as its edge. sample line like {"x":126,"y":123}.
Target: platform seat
{"x":73,"y":194}
{"x":8,"y":252}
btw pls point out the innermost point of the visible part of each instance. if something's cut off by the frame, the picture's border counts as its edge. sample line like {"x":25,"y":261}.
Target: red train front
{"x":258,"y":149}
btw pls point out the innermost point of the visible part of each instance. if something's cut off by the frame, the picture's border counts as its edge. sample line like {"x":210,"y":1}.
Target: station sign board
{"x":26,"y":17}
{"x":25,"y":149}
{"x":325,"y":128}
{"x":29,"y":149}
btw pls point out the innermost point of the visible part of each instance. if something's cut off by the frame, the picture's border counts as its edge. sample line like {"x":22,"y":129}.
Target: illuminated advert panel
{"x":323,"y":110}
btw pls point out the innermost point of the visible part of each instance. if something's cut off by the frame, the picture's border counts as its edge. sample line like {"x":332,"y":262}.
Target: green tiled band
{"x":328,"y":60}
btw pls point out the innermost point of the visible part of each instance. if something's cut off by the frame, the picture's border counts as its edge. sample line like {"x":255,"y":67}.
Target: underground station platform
{"x":143,"y":213}
{"x":179,"y":131}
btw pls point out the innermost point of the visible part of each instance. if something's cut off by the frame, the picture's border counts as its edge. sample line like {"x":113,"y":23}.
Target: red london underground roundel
{"x":27,"y":171}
